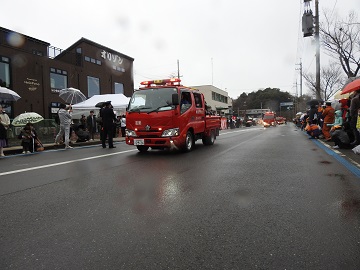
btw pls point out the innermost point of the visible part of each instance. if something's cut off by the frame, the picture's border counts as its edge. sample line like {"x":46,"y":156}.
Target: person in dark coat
{"x":313,"y":113}
{"x":91,"y":124}
{"x":340,"y":136}
{"x":108,"y":122}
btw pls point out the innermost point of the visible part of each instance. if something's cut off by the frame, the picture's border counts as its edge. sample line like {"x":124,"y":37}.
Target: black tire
{"x":142,"y":148}
{"x":209,"y":140}
{"x":189,"y":142}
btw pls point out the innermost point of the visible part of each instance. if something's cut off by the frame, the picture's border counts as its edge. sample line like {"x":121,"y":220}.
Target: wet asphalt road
{"x":257,"y":199}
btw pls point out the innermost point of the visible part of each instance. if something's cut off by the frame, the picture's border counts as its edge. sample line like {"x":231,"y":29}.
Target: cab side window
{"x":185,"y":102}
{"x":198,"y":100}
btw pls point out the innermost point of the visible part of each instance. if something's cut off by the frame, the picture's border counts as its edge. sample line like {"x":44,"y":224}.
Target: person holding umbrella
{"x":4,"y":125}
{"x":65,"y":122}
{"x":28,"y":136}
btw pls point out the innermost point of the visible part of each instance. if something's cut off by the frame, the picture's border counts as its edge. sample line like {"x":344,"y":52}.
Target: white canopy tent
{"x":118,"y":101}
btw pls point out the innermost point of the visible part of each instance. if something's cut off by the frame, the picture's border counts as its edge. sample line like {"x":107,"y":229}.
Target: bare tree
{"x":331,"y":81}
{"x":341,"y":40}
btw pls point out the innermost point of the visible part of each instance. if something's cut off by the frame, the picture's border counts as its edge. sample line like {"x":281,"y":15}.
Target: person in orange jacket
{"x":313,"y":129}
{"x":329,"y":117}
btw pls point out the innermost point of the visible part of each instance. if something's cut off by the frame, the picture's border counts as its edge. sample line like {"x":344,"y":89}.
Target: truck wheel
{"x":209,"y":140}
{"x":142,"y":148}
{"x":189,"y":142}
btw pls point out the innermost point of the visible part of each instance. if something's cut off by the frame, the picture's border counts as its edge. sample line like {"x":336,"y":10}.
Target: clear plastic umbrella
{"x":8,"y":95}
{"x":72,"y":95}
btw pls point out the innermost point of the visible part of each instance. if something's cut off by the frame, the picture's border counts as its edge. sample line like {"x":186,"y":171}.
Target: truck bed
{"x":212,"y":121}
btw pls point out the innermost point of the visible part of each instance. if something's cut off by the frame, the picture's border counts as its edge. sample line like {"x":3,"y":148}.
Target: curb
{"x":15,"y":150}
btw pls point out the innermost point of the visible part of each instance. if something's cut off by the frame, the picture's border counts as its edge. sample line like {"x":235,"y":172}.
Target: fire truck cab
{"x":269,"y":119}
{"x":163,"y":114}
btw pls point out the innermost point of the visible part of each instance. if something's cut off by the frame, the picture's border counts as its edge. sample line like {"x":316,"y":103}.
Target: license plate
{"x":138,"y":141}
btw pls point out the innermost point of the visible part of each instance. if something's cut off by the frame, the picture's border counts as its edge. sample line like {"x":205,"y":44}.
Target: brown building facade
{"x":37,"y":71}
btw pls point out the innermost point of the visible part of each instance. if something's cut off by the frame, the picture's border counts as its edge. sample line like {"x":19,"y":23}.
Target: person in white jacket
{"x":65,"y":122}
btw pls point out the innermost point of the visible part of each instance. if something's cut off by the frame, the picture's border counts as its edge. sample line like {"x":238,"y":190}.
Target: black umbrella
{"x":100,"y":104}
{"x":314,"y":102}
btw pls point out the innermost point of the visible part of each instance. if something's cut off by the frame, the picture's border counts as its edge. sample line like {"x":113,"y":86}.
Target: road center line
{"x":64,"y":162}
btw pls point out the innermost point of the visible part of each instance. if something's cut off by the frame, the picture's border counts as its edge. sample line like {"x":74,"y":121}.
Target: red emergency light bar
{"x":172,"y":81}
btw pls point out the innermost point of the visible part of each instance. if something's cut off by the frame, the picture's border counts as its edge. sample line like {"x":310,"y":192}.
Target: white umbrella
{"x":72,"y":95}
{"x":8,"y":95}
{"x":27,"y":117}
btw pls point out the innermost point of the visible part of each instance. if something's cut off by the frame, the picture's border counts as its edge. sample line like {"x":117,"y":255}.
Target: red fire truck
{"x":163,"y":114}
{"x":269,"y":119}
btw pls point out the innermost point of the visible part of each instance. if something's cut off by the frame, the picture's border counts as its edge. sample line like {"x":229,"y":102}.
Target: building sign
{"x":32,"y":84}
{"x":112,"y":57}
{"x":286,"y":104}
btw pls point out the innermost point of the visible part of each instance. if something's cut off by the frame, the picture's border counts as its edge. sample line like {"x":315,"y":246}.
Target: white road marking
{"x":63,"y":163}
{"x":239,"y":131}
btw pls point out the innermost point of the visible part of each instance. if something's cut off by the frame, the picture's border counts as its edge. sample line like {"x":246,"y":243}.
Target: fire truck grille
{"x":151,"y":130}
{"x":149,"y":136}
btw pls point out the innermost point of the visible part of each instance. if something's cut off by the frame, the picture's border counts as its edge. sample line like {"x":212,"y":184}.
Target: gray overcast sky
{"x":238,"y":46}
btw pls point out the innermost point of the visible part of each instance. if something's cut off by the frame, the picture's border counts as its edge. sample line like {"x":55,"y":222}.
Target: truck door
{"x":199,"y":116}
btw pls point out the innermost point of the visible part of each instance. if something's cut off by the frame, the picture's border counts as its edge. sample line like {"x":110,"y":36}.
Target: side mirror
{"x":175,"y":99}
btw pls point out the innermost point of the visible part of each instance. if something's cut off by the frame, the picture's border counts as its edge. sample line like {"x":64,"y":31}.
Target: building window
{"x":4,"y":72}
{"x":78,"y":50}
{"x":118,"y":68}
{"x":37,"y":53}
{"x":119,"y":88}
{"x":92,"y":60}
{"x":93,"y":86}
{"x":218,"y":97}
{"x":58,"y":79}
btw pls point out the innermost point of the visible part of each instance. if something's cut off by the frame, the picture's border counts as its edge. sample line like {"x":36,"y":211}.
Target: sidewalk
{"x":15,"y":150}
{"x":347,"y":154}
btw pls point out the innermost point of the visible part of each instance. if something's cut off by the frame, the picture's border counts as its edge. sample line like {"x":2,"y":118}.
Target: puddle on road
{"x":242,"y":197}
{"x":325,"y":162}
{"x":349,"y":205}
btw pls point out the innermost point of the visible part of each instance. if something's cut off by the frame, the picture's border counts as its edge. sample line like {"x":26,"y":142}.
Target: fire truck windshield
{"x":269,"y":116}
{"x":152,"y":99}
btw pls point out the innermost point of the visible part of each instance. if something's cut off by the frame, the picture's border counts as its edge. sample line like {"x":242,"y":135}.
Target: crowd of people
{"x":339,"y":123}
{"x":105,"y":124}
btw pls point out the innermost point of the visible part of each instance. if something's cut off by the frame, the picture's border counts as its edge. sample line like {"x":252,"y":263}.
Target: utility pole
{"x":317,"y":40}
{"x":300,"y":69}
{"x":308,"y":24}
{"x":212,"y":72}
{"x":178,"y":68}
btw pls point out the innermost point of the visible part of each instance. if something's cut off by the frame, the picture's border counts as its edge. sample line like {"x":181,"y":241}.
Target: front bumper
{"x":165,"y":142}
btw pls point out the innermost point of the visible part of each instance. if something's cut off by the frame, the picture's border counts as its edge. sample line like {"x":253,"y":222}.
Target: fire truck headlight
{"x":170,"y":132}
{"x":130,"y":133}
